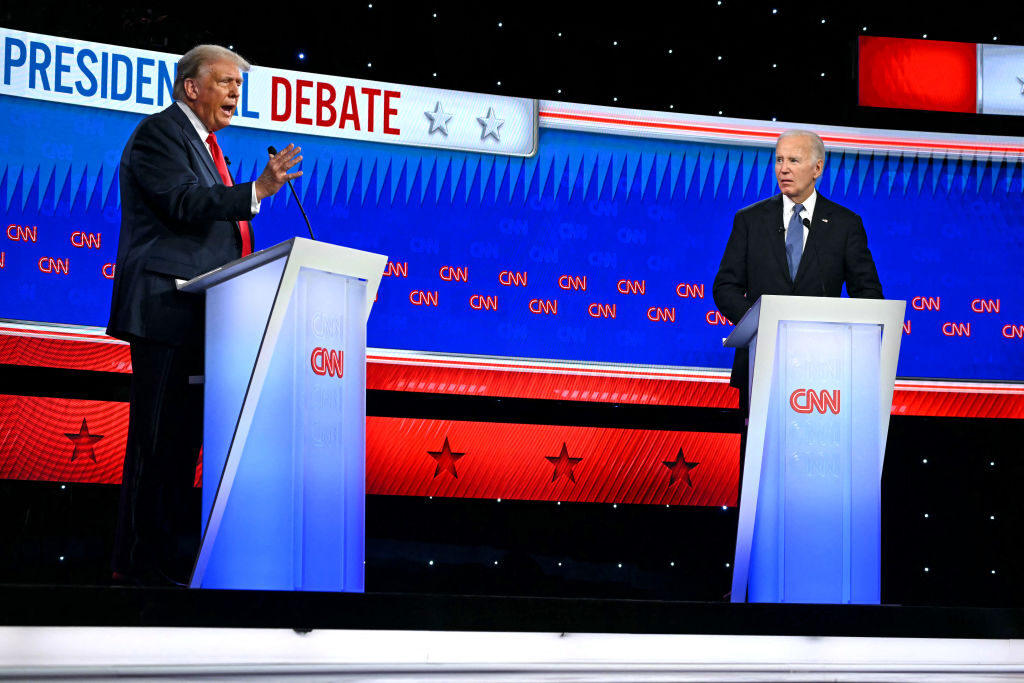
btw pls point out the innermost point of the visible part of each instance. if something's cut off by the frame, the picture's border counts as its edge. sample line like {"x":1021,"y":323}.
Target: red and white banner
{"x":939,"y":75}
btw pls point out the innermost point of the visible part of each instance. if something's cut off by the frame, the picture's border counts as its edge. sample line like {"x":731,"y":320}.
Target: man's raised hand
{"x":276,"y":174}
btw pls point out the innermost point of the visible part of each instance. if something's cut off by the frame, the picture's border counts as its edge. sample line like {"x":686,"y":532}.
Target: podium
{"x":284,"y":422}
{"x":821,"y":381}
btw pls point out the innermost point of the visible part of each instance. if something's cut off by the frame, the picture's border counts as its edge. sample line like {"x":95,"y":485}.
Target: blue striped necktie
{"x":795,"y":240}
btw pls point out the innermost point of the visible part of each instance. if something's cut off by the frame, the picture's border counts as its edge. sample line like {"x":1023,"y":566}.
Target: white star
{"x":438,"y":120}
{"x":491,"y":125}
{"x":1021,"y":79}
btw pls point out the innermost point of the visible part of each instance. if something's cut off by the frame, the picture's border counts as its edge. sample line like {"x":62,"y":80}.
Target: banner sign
{"x":141,"y":81}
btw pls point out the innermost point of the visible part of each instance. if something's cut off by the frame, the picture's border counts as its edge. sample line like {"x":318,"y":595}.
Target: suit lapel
{"x":198,"y":145}
{"x":773,"y":221}
{"x":822,"y":221}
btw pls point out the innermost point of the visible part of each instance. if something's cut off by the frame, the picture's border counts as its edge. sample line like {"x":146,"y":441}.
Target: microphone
{"x":817,"y":261}
{"x":273,"y":152}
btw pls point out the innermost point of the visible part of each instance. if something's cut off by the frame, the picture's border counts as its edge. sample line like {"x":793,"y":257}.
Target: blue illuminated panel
{"x":817,"y":534}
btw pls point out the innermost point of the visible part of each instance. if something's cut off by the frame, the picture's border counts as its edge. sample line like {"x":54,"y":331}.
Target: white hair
{"x":817,"y":146}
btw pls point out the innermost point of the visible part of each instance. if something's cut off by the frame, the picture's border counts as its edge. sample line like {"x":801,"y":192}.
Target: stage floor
{"x":98,"y":633}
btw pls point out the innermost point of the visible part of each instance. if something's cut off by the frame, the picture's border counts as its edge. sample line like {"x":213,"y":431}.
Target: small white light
{"x":499,"y":500}
{"x":926,"y":515}
{"x":559,"y":564}
{"x":431,"y":563}
{"x":775,"y":66}
{"x":924,"y":460}
{"x":615,"y":505}
{"x":864,"y":29}
{"x":615,"y":99}
{"x":302,"y":55}
{"x":775,"y":11}
{"x":620,"y":565}
{"x":725,"y":507}
{"x":719,"y":57}
{"x":727,"y":565}
{"x":671,"y":564}
{"x":994,"y":38}
{"x":62,"y":487}
{"x":823,"y":74}
{"x":993,"y":571}
{"x":559,"y":34}
{"x":924,"y":35}
{"x":719,"y":112}
{"x":559,"y":503}
{"x":926,"y":568}
{"x":991,"y":516}
{"x":559,"y":91}
{"x":992,"y":464}
{"x":719,"y":2}
{"x":231,"y":47}
{"x":61,"y":558}
{"x":671,"y":106}
{"x":615,"y":42}
{"x":495,"y":563}
{"x":499,"y":82}
{"x":499,"y":24}
{"x":369,"y":64}
{"x":435,"y":74}
{"x":823,"y":21}
{"x":435,"y":15}
{"x":773,"y":118}
{"x":670,"y":50}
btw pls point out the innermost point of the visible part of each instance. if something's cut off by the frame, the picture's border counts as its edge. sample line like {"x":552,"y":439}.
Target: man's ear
{"x":191,"y":90}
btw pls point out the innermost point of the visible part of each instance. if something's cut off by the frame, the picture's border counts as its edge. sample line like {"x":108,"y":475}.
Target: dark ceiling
{"x":790,"y":60}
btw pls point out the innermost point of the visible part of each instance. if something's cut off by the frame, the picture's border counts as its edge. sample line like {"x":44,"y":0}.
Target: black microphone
{"x":273,"y":152}
{"x":817,"y":262}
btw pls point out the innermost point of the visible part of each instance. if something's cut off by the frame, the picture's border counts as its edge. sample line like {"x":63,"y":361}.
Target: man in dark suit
{"x":181,"y":216}
{"x":795,"y":243}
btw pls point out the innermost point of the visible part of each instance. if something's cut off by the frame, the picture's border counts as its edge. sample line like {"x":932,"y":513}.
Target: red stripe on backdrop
{"x":457,"y":459}
{"x":69,"y":354}
{"x":45,"y":439}
{"x":565,"y":385}
{"x":918,"y":74}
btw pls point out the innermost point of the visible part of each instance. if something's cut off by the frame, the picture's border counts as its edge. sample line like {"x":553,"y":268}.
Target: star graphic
{"x":563,"y":464}
{"x":445,"y":459}
{"x":438,"y":119}
{"x":491,"y":125}
{"x":83,"y":441}
{"x":680,"y":469}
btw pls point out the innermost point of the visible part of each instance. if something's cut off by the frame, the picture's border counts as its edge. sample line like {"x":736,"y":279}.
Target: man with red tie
{"x":181,"y":215}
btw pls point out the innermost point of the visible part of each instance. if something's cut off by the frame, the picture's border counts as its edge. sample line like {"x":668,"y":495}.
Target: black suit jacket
{"x":754,"y":262}
{"x":178,"y":220}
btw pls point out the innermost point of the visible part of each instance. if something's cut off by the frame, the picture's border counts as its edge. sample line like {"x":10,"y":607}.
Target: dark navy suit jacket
{"x":754,"y":262}
{"x":178,"y":220}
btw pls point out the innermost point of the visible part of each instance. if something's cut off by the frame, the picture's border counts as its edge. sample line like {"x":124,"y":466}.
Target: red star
{"x":83,"y":441}
{"x":680,"y":469}
{"x":445,"y":459}
{"x":563,"y":464}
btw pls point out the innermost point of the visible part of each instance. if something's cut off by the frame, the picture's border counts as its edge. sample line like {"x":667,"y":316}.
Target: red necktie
{"x":222,"y":169}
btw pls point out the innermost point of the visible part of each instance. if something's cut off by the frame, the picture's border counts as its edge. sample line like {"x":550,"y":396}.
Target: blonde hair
{"x":200,"y":57}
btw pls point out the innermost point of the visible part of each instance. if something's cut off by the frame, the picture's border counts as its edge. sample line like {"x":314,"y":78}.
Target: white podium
{"x":821,"y":383}
{"x":284,"y":441}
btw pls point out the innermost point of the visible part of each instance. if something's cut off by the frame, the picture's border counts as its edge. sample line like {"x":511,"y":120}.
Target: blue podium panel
{"x":284,"y":478}
{"x":817,"y":532}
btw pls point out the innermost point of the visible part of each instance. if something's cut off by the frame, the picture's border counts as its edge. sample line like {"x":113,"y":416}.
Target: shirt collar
{"x":788,"y":204}
{"x":200,"y":127}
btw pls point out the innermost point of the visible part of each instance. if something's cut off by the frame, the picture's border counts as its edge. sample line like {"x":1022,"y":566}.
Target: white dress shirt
{"x":808,"y":213}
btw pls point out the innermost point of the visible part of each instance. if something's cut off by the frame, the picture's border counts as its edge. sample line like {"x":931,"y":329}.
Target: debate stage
{"x":98,"y":633}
